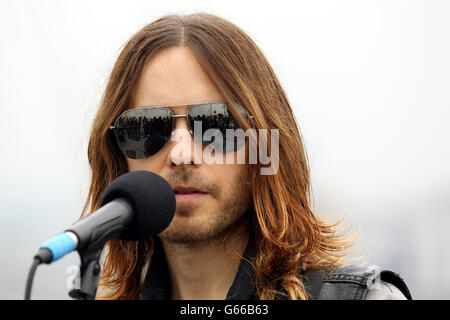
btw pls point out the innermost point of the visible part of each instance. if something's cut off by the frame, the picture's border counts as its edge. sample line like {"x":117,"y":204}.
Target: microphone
{"x":135,"y":206}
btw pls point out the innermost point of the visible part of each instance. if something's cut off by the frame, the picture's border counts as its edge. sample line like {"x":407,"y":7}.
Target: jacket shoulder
{"x":355,"y":282}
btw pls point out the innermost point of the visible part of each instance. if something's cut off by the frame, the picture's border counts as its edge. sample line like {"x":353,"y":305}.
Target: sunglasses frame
{"x":174,"y":116}
{"x":168,"y":107}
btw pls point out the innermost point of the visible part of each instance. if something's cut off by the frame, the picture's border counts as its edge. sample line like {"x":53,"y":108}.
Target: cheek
{"x":153,"y":164}
{"x":232,"y":178}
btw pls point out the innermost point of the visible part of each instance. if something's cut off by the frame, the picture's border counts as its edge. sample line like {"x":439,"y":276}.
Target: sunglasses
{"x":142,"y":132}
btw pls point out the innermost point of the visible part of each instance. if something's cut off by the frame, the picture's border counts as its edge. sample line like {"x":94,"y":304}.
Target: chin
{"x":190,"y":229}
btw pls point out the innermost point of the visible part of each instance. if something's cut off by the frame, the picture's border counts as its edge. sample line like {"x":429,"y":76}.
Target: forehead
{"x":173,"y":76}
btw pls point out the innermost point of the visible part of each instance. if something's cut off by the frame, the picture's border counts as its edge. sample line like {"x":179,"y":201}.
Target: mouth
{"x":188,"y":193}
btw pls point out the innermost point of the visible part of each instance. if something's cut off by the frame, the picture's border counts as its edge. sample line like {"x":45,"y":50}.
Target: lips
{"x":188,"y":193}
{"x":185,"y":190}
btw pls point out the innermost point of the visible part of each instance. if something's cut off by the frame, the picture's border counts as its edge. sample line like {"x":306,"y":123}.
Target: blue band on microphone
{"x":60,"y":245}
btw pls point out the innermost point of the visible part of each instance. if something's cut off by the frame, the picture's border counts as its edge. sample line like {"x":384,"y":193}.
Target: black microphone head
{"x":152,"y":199}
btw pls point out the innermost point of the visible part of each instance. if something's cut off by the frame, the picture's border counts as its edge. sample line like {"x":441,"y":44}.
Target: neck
{"x":204,"y":270}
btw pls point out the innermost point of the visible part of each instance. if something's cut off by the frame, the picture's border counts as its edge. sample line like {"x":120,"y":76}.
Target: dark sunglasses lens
{"x":141,"y":133}
{"x":215,"y":120}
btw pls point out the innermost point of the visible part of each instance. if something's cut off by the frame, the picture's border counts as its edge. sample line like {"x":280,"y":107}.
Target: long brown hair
{"x":289,"y":237}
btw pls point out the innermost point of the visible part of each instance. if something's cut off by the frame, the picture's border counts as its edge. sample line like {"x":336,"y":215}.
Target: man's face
{"x":174,"y":77}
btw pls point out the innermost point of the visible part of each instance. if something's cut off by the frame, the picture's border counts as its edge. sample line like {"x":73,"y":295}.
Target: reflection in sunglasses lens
{"x":141,"y":133}
{"x":213,"y":116}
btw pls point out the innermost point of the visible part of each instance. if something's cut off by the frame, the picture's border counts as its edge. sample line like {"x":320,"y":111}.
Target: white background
{"x":368,"y":80}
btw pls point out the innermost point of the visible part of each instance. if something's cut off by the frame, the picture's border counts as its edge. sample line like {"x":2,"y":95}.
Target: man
{"x":240,"y":230}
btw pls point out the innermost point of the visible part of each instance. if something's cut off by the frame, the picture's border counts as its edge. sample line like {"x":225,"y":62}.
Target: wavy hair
{"x":289,"y":238}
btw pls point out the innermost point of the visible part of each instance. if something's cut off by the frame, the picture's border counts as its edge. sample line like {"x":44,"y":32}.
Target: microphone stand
{"x":89,"y":273}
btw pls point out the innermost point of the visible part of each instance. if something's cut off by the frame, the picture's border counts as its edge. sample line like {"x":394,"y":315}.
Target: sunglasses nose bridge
{"x":181,"y":125}
{"x":175,"y":126}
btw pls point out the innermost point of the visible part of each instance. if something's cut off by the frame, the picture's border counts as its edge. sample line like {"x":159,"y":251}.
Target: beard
{"x":228,"y":213}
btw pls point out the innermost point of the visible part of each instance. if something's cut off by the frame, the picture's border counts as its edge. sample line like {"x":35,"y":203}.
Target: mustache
{"x":194,"y":179}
